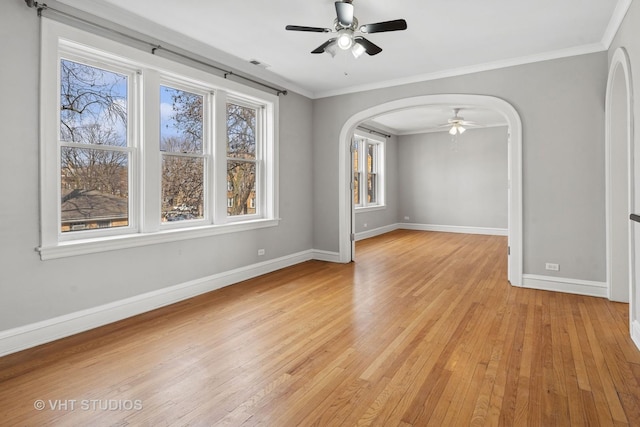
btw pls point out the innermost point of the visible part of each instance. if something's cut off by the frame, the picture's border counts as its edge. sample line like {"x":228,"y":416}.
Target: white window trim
{"x":54,"y":35}
{"x":381,"y":148}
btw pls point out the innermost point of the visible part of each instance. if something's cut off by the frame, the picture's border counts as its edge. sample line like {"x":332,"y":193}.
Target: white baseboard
{"x":635,"y":333}
{"x":376,"y":231}
{"x":455,"y":229}
{"x":23,"y":337}
{"x":561,"y":284}
{"x":325,"y":256}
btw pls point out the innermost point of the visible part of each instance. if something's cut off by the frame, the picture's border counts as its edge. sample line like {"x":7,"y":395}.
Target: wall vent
{"x":258,"y":63}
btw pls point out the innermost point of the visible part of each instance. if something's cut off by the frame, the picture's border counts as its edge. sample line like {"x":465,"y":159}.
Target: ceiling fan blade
{"x":344,"y":11}
{"x":323,"y":46}
{"x":370,"y":48}
{"x":309,"y":29}
{"x":381,"y":27}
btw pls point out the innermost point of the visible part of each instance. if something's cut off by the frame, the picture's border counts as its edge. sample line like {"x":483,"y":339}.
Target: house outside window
{"x":94,"y":146}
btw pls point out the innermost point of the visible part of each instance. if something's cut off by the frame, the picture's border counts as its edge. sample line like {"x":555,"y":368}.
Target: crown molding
{"x":546,"y":56}
{"x":616,"y":20}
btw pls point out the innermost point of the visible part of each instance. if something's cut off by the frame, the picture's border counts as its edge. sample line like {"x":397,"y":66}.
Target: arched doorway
{"x":622,"y":190}
{"x":619,"y":197}
{"x":514,"y":168}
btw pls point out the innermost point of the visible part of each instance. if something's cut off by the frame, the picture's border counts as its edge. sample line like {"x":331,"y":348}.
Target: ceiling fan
{"x":457,"y":123}
{"x":346,"y":26}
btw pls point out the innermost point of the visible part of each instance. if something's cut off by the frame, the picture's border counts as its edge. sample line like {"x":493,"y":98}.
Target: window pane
{"x":371,"y":158}
{"x":94,"y":191}
{"x":93,"y":105}
{"x":356,"y":188}
{"x":180,"y":121}
{"x":356,"y":166}
{"x":241,"y":178}
{"x":372,"y":183}
{"x":241,"y":132}
{"x":182,"y":188}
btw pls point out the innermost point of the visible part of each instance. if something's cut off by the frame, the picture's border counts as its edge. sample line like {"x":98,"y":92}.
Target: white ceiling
{"x":430,"y":118}
{"x":444,"y":37}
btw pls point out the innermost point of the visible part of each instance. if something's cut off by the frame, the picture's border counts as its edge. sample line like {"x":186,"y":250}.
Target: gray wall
{"x":32,"y":290}
{"x":563,"y":180}
{"x":389,"y":215}
{"x":460,"y":181}
{"x":561,"y":104}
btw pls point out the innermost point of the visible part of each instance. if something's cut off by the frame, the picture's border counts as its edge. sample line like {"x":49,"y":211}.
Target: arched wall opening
{"x":622,"y":190}
{"x":618,"y":185}
{"x":514,"y":168}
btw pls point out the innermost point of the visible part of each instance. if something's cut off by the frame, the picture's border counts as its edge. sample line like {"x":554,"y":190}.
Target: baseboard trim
{"x":376,"y":231}
{"x":455,"y":229}
{"x":561,"y":284}
{"x":325,"y":256}
{"x":635,"y":333}
{"x":24,"y":337}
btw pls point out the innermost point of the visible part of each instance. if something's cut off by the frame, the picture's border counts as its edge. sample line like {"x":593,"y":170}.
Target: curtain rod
{"x":42,"y":7}
{"x":374,"y":131}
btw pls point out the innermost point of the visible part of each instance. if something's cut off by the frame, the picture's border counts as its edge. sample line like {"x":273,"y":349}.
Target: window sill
{"x":370,"y":208}
{"x":91,"y":246}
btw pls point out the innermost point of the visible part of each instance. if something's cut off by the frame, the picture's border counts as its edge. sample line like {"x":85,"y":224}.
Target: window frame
{"x":361,"y":142}
{"x":60,"y":40}
{"x":259,"y":186}
{"x":91,"y":59}
{"x":208,"y":96}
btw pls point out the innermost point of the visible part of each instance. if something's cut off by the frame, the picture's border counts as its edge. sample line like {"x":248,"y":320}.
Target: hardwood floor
{"x":423,"y":329}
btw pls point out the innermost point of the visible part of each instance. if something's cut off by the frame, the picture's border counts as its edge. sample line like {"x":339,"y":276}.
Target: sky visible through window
{"x":167,"y":121}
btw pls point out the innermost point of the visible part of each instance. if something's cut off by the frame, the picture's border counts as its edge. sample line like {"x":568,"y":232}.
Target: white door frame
{"x":620,"y":62}
{"x":514,"y":167}
{"x":618,"y":282}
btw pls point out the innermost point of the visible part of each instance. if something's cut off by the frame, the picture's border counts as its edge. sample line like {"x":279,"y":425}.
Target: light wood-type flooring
{"x":423,"y":329}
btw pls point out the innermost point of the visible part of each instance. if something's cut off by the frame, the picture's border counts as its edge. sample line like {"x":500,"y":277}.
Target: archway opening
{"x":514,"y":168}
{"x":618,"y":193}
{"x":622,"y":152}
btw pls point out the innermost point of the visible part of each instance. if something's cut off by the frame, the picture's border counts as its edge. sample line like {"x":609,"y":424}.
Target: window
{"x":110,"y":170}
{"x":242,"y":134}
{"x":183,"y":157}
{"x":368,"y":165}
{"x":94,"y":147}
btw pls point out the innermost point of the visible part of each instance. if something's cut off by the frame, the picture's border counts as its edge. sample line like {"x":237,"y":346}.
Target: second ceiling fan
{"x":346,"y":26}
{"x":457,"y":123}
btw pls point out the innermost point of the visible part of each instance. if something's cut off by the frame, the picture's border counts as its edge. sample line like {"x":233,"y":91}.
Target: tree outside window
{"x":181,"y":145}
{"x":241,"y":158}
{"x":94,"y":152}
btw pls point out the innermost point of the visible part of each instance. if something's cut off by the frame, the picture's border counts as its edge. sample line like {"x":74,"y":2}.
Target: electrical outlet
{"x":261,"y":252}
{"x":364,"y":225}
{"x":406,"y":218}
{"x":552,"y":267}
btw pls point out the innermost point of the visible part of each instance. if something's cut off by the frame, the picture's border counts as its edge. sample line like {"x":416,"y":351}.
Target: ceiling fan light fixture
{"x":457,"y":128}
{"x":345,"y":39}
{"x":332,"y":49}
{"x":357,"y":50}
